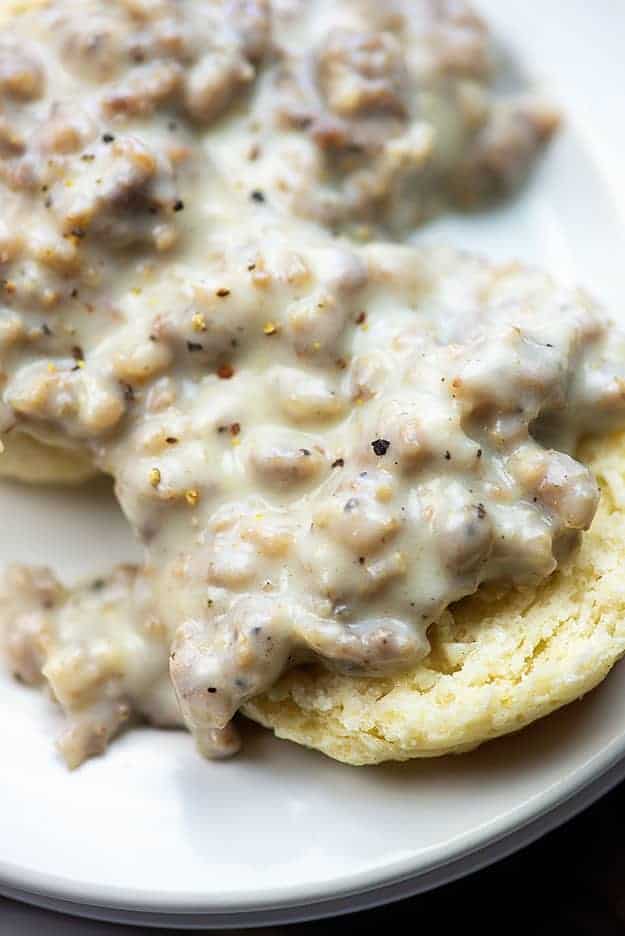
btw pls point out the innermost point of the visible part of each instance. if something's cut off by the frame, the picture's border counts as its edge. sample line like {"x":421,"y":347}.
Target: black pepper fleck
{"x":338,"y":463}
{"x":179,"y":205}
{"x":447,"y":455}
{"x":380,"y":446}
{"x":194,"y":346}
{"x":481,"y":511}
{"x":108,"y":138}
{"x":257,"y":196}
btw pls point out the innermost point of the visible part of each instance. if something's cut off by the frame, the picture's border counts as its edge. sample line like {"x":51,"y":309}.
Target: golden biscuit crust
{"x":498,"y":661}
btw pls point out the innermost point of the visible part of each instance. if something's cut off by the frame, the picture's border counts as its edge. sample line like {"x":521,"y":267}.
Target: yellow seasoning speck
{"x":235,"y":441}
{"x":316,"y":345}
{"x":155,"y":477}
{"x":51,"y":367}
{"x":192,"y":496}
{"x":270,"y":328}
{"x":198,"y":322}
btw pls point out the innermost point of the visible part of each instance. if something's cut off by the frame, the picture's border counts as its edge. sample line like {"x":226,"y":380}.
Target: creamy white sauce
{"x":321,"y":445}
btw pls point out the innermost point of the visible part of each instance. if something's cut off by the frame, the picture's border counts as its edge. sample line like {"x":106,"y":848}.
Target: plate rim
{"x":393,"y":873}
{"x":524,"y":834}
{"x":539,"y":812}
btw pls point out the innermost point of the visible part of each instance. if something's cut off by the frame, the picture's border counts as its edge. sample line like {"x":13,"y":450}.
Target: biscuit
{"x":498,"y":661}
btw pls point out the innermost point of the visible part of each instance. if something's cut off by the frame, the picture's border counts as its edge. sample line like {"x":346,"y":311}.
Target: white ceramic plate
{"x":282,"y":832}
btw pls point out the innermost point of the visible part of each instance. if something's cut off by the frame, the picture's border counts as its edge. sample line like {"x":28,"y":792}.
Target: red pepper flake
{"x":361,"y":318}
{"x":380,"y":446}
{"x":77,"y":353}
{"x":225,"y":372}
{"x":222,"y":293}
{"x":171,"y":440}
{"x":235,"y":429}
{"x":341,"y":363}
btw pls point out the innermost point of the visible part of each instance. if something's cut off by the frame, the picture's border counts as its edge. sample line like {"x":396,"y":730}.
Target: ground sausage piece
{"x":21,"y":75}
{"x":147,"y":88}
{"x":213,"y":82}
{"x":283,"y":465}
{"x":117,"y":194}
{"x":362,"y":73}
